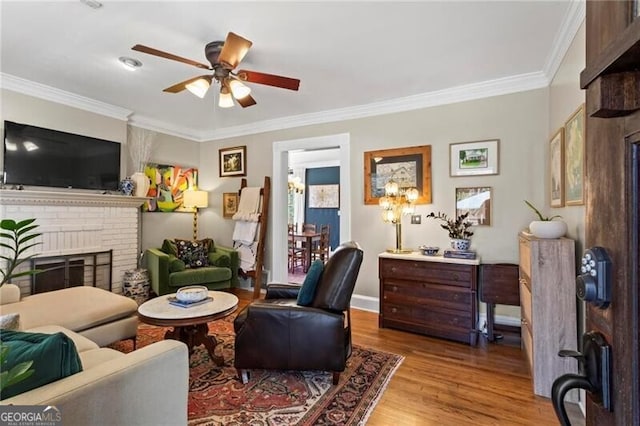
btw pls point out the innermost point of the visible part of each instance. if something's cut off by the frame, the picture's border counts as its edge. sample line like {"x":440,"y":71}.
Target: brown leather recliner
{"x":278,"y":334}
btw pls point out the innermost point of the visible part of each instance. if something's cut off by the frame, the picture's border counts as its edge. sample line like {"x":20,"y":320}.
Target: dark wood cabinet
{"x":434,"y":296}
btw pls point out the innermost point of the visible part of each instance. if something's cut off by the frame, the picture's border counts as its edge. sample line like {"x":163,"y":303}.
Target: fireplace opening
{"x":58,"y":275}
{"x":72,"y":270}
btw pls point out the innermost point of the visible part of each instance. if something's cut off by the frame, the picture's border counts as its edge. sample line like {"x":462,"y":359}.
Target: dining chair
{"x":296,"y":253}
{"x":321,"y":250}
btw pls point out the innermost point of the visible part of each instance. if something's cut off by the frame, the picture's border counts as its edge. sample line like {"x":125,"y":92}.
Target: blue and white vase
{"x":127,"y":186}
{"x":460,"y":244}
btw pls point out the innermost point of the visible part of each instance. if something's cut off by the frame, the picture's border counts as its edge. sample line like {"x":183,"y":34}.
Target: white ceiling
{"x":353,"y":58}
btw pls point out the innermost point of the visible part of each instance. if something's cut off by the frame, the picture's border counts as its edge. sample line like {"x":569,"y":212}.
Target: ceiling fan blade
{"x":269,"y":79}
{"x":234,"y":49}
{"x":160,"y":53}
{"x":179,"y":87}
{"x":247,"y":101}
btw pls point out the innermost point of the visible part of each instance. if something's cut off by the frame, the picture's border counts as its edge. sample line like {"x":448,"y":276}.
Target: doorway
{"x":281,"y":150}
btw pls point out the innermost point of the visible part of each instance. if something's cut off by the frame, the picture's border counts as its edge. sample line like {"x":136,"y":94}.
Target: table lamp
{"x":195,"y":199}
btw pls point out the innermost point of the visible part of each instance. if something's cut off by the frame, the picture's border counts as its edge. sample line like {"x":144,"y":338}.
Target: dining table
{"x":307,"y":238}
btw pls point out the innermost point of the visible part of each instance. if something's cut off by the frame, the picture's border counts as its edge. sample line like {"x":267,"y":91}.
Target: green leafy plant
{"x":18,"y":373}
{"x":17,"y":238}
{"x":458,"y":228}
{"x":540,"y":216}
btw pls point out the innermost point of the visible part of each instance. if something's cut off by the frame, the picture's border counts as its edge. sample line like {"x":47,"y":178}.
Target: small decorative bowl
{"x":429,"y":251}
{"x":193,"y":293}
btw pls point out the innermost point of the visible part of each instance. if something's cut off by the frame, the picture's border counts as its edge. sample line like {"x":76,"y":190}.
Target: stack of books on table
{"x":460,"y":254}
{"x":183,"y":304}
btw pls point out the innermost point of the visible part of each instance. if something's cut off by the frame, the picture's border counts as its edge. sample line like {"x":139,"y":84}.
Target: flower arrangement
{"x":458,"y":228}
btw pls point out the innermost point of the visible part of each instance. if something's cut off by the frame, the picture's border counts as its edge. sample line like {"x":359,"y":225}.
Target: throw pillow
{"x":54,"y":357}
{"x":308,"y":289}
{"x":169,"y":247}
{"x":175,"y":264}
{"x":219,"y":260}
{"x":193,"y":253}
{"x":10,"y":322}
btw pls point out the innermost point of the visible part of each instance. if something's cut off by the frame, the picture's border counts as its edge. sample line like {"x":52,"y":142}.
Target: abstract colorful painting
{"x":168,"y":183}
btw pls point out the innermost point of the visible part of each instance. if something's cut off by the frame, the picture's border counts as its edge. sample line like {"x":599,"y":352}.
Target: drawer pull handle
{"x":394,"y":310}
{"x":394,"y":288}
{"x":456,"y":277}
{"x":523,"y":321}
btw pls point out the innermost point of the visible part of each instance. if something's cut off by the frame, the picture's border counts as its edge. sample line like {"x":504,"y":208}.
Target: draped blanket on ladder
{"x":247,"y":225}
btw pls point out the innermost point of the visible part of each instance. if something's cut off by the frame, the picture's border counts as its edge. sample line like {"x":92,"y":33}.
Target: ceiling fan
{"x":224,"y":57}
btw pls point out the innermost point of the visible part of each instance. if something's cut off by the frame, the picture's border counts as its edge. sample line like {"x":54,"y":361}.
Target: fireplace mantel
{"x":57,"y":198}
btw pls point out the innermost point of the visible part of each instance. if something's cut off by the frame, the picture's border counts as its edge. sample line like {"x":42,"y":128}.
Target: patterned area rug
{"x":217,"y":397}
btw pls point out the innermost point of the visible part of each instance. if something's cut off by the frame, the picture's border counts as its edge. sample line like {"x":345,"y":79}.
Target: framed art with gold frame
{"x":409,"y":166}
{"x":229,"y":204}
{"x":574,"y":134}
{"x":556,"y":169}
{"x":233,"y":161}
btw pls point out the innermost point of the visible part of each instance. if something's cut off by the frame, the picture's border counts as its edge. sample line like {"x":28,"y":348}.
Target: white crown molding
{"x":37,"y":90}
{"x":573,"y":19}
{"x":485,"y":89}
{"x":166,"y":128}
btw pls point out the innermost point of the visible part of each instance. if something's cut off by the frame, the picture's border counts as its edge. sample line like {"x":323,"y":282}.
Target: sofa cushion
{"x":98,"y":356}
{"x":54,"y":357}
{"x":193,"y":253}
{"x":308,"y":289}
{"x":220,"y":260}
{"x":199,"y":276}
{"x":175,"y":264}
{"x":9,"y":293}
{"x":75,"y":308}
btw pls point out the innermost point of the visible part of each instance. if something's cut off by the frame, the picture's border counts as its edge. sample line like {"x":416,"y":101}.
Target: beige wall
{"x":518,"y":120}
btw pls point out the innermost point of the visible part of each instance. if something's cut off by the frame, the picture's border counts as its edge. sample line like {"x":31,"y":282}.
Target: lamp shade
{"x":238,"y":89}
{"x":226,"y":100}
{"x":199,"y":87}
{"x":195,"y":198}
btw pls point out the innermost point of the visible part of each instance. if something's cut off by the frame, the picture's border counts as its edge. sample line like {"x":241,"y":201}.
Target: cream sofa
{"x":148,"y":386}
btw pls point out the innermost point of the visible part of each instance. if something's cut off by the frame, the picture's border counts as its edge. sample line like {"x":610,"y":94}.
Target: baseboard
{"x":365,"y":303}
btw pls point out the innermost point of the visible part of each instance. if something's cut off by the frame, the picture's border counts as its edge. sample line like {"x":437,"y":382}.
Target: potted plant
{"x":15,"y":239}
{"x":546,"y":226}
{"x":458,"y":229}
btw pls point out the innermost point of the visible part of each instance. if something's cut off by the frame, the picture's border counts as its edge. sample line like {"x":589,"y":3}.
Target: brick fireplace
{"x":79,"y":223}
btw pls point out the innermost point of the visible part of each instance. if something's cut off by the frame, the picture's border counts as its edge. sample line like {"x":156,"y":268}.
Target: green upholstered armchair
{"x":168,"y":273}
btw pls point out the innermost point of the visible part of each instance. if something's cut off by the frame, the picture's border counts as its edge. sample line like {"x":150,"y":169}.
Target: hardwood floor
{"x":446,"y":383}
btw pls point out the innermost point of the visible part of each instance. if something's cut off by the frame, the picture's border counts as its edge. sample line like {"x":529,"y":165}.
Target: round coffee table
{"x":190,"y":324}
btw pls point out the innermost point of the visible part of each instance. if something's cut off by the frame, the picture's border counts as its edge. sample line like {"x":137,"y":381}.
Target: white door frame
{"x":279,"y":193}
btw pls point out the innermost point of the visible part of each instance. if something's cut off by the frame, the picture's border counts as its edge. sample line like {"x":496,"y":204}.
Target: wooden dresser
{"x":548,"y":302}
{"x":429,"y":295}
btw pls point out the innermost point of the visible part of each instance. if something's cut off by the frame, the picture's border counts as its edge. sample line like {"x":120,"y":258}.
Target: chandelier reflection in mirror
{"x":399,"y":200}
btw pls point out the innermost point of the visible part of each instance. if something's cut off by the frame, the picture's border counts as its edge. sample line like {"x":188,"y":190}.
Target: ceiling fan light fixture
{"x":226,"y":100}
{"x":199,"y":87}
{"x":238,"y":89}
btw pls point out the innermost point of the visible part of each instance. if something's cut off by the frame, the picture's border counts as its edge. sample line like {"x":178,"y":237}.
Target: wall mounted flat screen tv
{"x":35,"y":156}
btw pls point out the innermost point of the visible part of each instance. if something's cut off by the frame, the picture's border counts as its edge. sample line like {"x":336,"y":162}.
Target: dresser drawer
{"x":426,"y":294}
{"x":431,"y":272}
{"x":420,"y":315}
{"x":525,"y":257}
{"x":527,"y":344}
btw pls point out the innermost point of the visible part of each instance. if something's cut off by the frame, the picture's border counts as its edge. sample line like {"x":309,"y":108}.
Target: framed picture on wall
{"x":233,"y":161}
{"x":409,"y":167}
{"x":574,"y":134}
{"x":477,"y":202}
{"x":324,"y":196}
{"x":229,"y":204}
{"x":474,"y":158}
{"x":556,"y":168}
